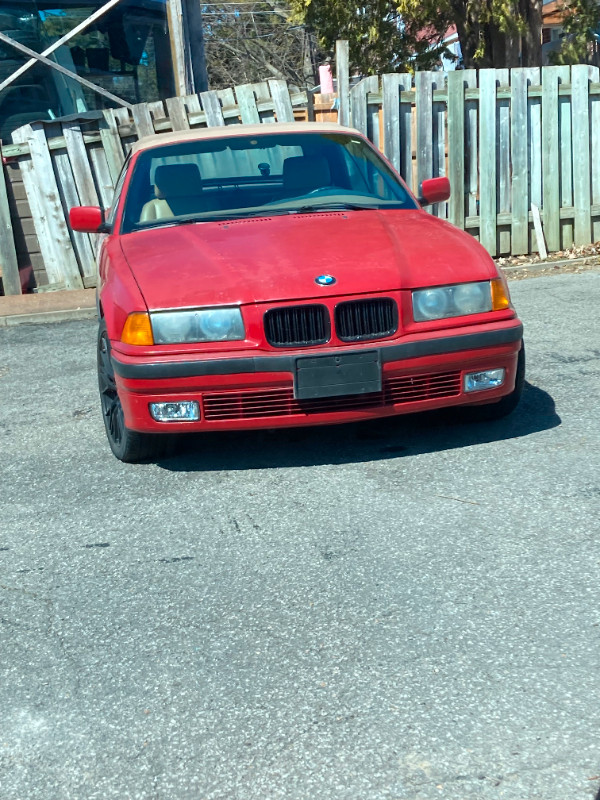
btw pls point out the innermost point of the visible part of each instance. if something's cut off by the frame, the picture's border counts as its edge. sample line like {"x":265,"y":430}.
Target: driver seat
{"x":303,"y":174}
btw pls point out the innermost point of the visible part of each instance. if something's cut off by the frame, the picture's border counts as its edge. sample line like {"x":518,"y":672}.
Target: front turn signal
{"x":137,"y":329}
{"x":500,"y":295}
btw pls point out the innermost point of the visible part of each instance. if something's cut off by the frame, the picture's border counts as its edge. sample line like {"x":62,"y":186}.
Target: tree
{"x":580,"y":27}
{"x":499,"y":33}
{"x":393,"y":34}
{"x":248,"y":42}
{"x":381,"y":39}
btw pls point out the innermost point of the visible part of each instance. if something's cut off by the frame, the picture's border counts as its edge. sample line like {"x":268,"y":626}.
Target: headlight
{"x":202,"y":325}
{"x":452,"y":301}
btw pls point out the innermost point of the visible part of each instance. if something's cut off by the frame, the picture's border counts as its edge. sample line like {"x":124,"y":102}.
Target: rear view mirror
{"x":434,"y":190}
{"x":87,"y":219}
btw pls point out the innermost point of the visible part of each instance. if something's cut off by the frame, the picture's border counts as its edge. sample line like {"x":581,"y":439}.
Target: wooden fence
{"x":512,"y":142}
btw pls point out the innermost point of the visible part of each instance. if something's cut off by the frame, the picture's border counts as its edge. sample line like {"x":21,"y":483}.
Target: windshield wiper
{"x":333,"y":207}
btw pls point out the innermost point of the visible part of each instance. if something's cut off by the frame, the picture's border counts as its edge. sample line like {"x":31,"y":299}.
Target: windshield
{"x":261,"y":175}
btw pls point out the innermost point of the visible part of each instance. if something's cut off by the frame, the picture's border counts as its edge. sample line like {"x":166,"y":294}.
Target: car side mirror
{"x":434,"y":190}
{"x":88,"y":219}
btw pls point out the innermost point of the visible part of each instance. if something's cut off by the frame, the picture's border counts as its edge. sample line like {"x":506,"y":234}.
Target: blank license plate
{"x":330,"y":376}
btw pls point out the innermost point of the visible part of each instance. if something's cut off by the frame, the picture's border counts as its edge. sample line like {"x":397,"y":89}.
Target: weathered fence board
{"x":359,"y":102}
{"x":212,"y":109}
{"x":551,"y":158}
{"x":142,"y":119}
{"x":247,"y":104}
{"x":104,"y":184}
{"x":566,"y":155}
{"x":342,"y":60}
{"x":396,"y":131}
{"x":472,"y":147}
{"x":85,"y":246}
{"x":262,"y":92}
{"x":519,"y":152}
{"x":594,"y":74}
{"x":281,"y":99}
{"x":456,"y":147}
{"x":424,"y":90}
{"x":581,"y":163}
{"x":178,"y":113}
{"x":487,"y":143}
{"x":111,"y":141}
{"x":46,"y":209}
{"x":534,"y":140}
{"x":78,"y":157}
{"x":503,"y":194}
{"x":439,"y":141}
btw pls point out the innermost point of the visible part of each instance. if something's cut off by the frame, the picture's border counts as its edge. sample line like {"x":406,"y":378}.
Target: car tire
{"x":503,"y":407}
{"x":127,"y":445}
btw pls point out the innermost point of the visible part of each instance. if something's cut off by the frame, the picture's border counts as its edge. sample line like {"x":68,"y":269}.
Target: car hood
{"x":273,"y":259}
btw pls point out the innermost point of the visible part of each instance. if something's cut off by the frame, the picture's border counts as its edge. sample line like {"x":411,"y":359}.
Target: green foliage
{"x":579,"y":27}
{"x":393,"y":34}
{"x":381,"y":38}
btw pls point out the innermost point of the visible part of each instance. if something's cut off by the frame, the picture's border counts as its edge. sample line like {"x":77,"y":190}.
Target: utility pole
{"x":187,"y":46}
{"x":195,"y":33}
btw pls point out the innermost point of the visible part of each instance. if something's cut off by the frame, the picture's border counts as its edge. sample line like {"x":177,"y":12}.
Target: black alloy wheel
{"x":127,"y":445}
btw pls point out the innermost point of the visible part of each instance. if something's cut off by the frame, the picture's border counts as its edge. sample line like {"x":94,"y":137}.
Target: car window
{"x":364,"y":171}
{"x":228,"y":165}
{"x":264,"y":174}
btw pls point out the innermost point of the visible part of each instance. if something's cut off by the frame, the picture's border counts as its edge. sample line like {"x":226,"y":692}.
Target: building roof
{"x":227,"y":131}
{"x":554,"y":12}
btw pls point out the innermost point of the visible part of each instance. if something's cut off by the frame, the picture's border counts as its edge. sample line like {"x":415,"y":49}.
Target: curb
{"x":540,"y":266}
{"x":68,"y":315}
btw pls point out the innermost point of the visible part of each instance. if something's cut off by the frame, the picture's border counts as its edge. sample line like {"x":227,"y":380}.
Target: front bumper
{"x":257,"y":391}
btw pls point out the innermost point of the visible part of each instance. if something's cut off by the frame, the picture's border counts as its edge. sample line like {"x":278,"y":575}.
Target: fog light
{"x":488,"y":379}
{"x":184,"y":411}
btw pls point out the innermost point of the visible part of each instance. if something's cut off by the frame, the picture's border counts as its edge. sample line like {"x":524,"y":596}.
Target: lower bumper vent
{"x":258,"y":404}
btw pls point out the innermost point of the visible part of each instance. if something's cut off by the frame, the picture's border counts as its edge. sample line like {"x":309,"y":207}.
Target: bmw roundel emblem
{"x":325,"y":280}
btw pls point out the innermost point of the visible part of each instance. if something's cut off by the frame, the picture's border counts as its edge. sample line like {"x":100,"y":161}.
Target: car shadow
{"x":374,"y":440}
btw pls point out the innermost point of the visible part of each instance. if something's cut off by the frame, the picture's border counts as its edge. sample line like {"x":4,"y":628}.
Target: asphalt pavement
{"x":400,"y":610}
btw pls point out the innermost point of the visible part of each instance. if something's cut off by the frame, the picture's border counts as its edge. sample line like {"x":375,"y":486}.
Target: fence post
{"x":11,"y":280}
{"x":342,"y":68}
{"x":519,"y":157}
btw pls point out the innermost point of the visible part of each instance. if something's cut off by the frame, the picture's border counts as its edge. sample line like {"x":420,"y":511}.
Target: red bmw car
{"x":282,"y":275}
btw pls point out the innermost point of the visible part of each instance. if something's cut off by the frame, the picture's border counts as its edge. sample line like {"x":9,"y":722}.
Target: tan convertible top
{"x":227,"y":131}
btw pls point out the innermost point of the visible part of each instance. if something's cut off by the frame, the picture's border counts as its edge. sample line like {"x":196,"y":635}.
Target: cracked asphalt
{"x":390,"y":611}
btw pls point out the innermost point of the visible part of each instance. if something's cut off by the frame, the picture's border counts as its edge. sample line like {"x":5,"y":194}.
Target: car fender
{"x":118,"y":291}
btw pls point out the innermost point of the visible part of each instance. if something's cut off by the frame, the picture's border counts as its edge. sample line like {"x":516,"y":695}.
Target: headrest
{"x":304,"y":173}
{"x":177,"y":180}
